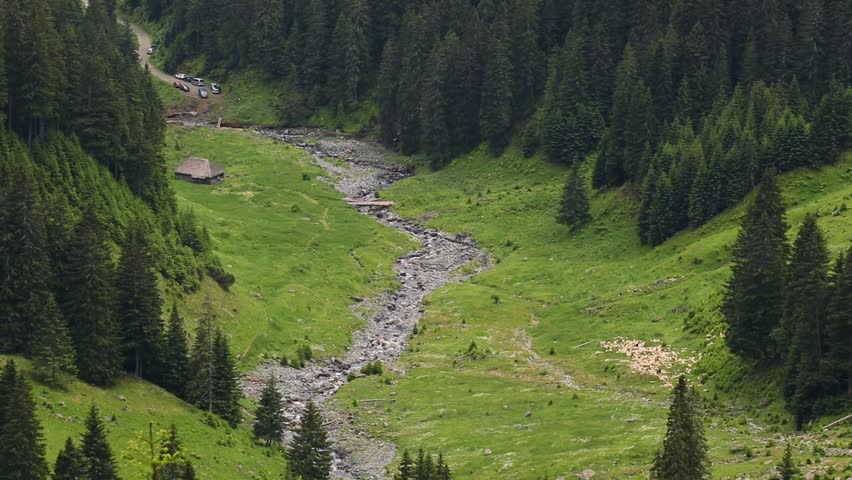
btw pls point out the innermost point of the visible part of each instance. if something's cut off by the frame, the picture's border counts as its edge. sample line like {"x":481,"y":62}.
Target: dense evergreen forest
{"x":693,"y":102}
{"x":90,"y":224}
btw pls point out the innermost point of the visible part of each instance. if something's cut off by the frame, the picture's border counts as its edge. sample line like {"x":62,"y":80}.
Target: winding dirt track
{"x":385,"y":334}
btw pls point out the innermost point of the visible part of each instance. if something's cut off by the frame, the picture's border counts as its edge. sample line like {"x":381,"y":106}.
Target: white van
{"x":198,"y":82}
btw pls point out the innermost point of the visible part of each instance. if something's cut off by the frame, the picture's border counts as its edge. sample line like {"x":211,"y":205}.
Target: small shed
{"x":200,"y":170}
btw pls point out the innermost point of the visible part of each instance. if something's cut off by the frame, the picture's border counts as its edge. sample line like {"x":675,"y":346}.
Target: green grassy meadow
{"x":217,"y":451}
{"x":299,"y":252}
{"x":542,"y":312}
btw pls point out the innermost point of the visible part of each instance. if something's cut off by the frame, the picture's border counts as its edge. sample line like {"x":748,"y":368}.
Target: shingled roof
{"x":199,"y":168}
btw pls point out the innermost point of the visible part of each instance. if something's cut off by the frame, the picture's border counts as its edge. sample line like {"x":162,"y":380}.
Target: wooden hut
{"x":200,"y":170}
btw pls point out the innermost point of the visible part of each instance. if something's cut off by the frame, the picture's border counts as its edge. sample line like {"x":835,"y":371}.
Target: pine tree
{"x":434,"y":126}
{"x":837,"y":360}
{"x":139,"y":307}
{"x":424,"y":467}
{"x":176,"y":373}
{"x":787,"y":468}
{"x":442,"y":470}
{"x":24,"y":262}
{"x":804,"y":320}
{"x":226,"y":390}
{"x":52,"y":348}
{"x":269,"y":422}
{"x":574,"y":210}
{"x":69,"y":463}
{"x":406,"y":467}
{"x":172,"y":462}
{"x":684,"y":452}
{"x":21,"y":440}
{"x":310,"y":453}
{"x":88,"y":304}
{"x":199,"y":389}
{"x":98,"y":461}
{"x":496,"y":110}
{"x":754,"y":295}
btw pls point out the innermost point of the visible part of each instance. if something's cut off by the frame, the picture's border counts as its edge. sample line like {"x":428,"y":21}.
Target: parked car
{"x":214,"y":87}
{"x":180,"y":76}
{"x":185,"y":87}
{"x":178,"y":85}
{"x":151,"y":50}
{"x":197,"y":81}
{"x":202,"y":92}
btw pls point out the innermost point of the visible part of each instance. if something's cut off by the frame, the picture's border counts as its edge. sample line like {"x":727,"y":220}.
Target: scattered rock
{"x":586,"y":475}
{"x":122,"y":398}
{"x":487,"y":451}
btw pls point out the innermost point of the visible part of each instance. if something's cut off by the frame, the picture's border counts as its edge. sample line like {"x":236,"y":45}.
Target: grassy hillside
{"x":547,"y":399}
{"x":217,"y":451}
{"x":299,"y":253}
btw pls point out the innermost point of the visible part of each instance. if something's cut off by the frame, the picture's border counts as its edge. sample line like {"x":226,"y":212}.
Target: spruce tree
{"x":787,"y":468}
{"x":406,"y":467}
{"x":21,"y":440}
{"x":69,"y":463}
{"x":199,"y":389}
{"x":98,"y":461}
{"x":226,"y":390}
{"x":88,"y":302}
{"x":434,"y":126}
{"x":804,"y":320}
{"x":139,"y":307}
{"x":172,"y":462}
{"x":574,"y":210}
{"x":52,"y":348}
{"x":269,"y":422}
{"x":310,"y":453}
{"x":754,"y":296}
{"x":837,"y":360}
{"x":424,"y":467}
{"x":684,"y":452}
{"x":176,"y":373}
{"x":495,"y":116}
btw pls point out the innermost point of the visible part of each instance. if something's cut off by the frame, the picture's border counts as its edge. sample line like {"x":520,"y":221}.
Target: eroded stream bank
{"x":360,"y":171}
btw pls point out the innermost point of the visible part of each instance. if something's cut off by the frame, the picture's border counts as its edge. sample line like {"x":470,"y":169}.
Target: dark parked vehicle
{"x":202,"y":92}
{"x":185,"y":87}
{"x":214,"y":87}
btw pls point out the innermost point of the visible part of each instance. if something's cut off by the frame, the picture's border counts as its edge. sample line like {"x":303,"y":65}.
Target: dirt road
{"x":144,"y":45}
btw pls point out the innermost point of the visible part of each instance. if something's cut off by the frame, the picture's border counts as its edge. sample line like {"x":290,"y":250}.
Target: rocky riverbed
{"x":360,"y":170}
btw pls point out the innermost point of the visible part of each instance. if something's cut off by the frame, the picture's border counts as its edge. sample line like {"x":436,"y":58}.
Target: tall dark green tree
{"x":434,"y":126}
{"x":89,"y":308}
{"x":754,"y":296}
{"x":406,"y":467}
{"x":684,"y":452}
{"x":574,"y":209}
{"x":495,"y":116}
{"x":21,"y":439}
{"x":310,"y":453}
{"x":837,"y":359}
{"x":139,"y":307}
{"x":787,"y":468}
{"x":804,"y":320}
{"x":176,"y":375}
{"x":268,"y":420}
{"x":52,"y":348}
{"x":226,"y":390}
{"x":98,"y":461}
{"x":200,"y":388}
{"x":69,"y":463}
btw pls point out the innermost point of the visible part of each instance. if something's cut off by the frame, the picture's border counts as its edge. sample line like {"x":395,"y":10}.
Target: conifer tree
{"x":268,"y":421}
{"x":88,"y":306}
{"x":424,"y":466}
{"x":837,"y":362}
{"x":684,"y":452}
{"x":804,"y":320}
{"x":574,"y":210}
{"x":139,"y":307}
{"x":175,"y":376}
{"x":226,"y":391}
{"x":52,"y":348}
{"x":98,"y":461}
{"x":172,"y":462}
{"x":24,"y":264}
{"x":8,"y":382}
{"x":434,"y":126}
{"x":406,"y":467}
{"x":754,"y":296}
{"x":496,"y":110}
{"x":69,"y":463}
{"x":310,"y":453}
{"x":199,"y":390}
{"x":787,"y":468}
{"x":21,"y":440}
